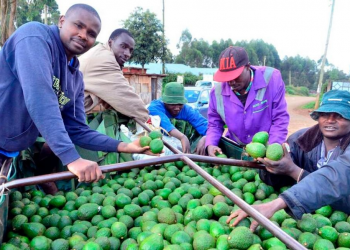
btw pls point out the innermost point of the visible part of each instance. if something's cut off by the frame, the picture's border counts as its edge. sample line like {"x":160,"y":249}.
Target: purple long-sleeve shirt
{"x":267,"y":114}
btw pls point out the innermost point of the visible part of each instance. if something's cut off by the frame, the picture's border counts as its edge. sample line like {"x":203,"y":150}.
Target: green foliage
{"x":189,"y":78}
{"x":195,"y":53}
{"x":309,"y":105}
{"x":28,"y":11}
{"x":303,"y":91}
{"x":299,"y":71}
{"x":290,"y":90}
{"x":148,"y":34}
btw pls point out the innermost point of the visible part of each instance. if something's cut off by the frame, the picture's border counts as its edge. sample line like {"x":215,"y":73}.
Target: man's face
{"x":122,"y":47}
{"x":333,"y":126}
{"x":78,"y":31}
{"x":173,"y":109}
{"x":241,"y":83}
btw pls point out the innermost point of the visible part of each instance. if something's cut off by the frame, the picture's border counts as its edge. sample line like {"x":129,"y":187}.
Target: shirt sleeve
{"x":215,"y":123}
{"x":196,"y":120}
{"x":280,"y":117}
{"x":33,"y":58}
{"x":308,"y":195}
{"x":157,"y":108}
{"x":81,"y":134}
{"x":104,"y":78}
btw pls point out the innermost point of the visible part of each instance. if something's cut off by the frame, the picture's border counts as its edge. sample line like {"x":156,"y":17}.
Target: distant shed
{"x":147,"y":86}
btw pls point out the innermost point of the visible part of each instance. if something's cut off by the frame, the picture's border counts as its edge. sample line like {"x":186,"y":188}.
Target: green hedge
{"x":303,"y":91}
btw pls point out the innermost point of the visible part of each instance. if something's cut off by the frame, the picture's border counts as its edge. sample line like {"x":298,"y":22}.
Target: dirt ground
{"x":299,"y":118}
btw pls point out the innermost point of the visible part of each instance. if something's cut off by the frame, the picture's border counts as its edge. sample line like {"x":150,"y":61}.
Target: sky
{"x":294,"y":27}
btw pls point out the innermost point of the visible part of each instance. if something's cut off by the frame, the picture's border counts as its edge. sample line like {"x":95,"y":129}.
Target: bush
{"x":303,"y":91}
{"x":290,"y":90}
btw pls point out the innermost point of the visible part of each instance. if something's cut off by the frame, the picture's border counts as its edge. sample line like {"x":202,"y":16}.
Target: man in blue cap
{"x":319,"y":162}
{"x":173,"y":106}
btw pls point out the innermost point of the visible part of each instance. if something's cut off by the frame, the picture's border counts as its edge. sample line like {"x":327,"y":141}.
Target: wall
{"x":142,"y":83}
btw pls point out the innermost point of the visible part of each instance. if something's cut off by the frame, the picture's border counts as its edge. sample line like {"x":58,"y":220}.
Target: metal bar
{"x":105,"y":169}
{"x":125,"y":166}
{"x":275,"y":230}
{"x":226,"y":161}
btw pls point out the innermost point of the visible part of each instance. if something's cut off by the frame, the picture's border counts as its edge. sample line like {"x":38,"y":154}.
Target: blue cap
{"x":334,"y":101}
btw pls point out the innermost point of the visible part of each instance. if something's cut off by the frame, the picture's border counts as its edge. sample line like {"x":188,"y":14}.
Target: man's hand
{"x":266,"y":209}
{"x":213,"y":149}
{"x":134,"y":147}
{"x":285,"y":166}
{"x":85,"y":170}
{"x":200,"y":149}
{"x":185,"y":143}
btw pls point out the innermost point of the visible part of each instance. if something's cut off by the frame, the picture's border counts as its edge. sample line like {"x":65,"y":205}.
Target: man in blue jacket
{"x":42,"y":92}
{"x":319,"y":162}
{"x":173,"y":105}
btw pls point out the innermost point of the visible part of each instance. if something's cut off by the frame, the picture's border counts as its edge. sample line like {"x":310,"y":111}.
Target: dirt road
{"x":299,"y":118}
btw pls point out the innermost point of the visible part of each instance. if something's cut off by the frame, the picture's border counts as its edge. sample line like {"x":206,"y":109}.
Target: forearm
{"x":177,"y":134}
{"x":278,"y":204}
{"x":307,"y":196}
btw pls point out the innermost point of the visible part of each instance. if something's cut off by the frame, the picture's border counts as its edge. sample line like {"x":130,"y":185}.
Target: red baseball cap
{"x":231,"y":64}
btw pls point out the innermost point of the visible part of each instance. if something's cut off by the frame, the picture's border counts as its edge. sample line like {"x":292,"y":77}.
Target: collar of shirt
{"x":324,"y":159}
{"x":250,"y":84}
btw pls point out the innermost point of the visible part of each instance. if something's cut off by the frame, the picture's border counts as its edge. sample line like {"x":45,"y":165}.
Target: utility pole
{"x":319,"y":87}
{"x":45,"y":13}
{"x":163,"y":63}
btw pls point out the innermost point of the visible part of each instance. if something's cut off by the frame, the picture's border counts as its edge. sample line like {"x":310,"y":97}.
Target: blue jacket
{"x":40,"y":93}
{"x":318,"y":187}
{"x":187,"y":113}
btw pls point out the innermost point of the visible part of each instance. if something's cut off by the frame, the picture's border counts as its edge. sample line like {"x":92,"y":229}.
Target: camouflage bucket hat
{"x":334,"y":101}
{"x":174,"y":93}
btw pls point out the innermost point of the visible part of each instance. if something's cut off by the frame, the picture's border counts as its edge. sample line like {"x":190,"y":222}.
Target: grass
{"x":309,"y":105}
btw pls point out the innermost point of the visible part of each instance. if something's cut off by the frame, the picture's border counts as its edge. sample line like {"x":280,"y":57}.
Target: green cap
{"x":334,"y":101}
{"x":174,"y":93}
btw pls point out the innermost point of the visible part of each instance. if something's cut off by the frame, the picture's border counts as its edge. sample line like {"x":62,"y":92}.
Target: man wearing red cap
{"x":248,"y":99}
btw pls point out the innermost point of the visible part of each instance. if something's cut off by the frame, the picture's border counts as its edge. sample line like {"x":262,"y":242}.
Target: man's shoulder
{"x":30,"y":30}
{"x":99,"y":51}
{"x":98,"y":55}
{"x":155,"y":103}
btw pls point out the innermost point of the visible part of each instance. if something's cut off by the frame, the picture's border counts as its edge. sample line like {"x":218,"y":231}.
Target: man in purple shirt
{"x":248,"y":99}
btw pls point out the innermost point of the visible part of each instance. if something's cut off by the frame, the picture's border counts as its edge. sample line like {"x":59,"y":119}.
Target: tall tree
{"x":193,"y":52}
{"x":299,"y":71}
{"x":217,"y":48}
{"x":7,"y":16}
{"x":148,"y":34}
{"x":28,"y":11}
{"x":15,"y":13}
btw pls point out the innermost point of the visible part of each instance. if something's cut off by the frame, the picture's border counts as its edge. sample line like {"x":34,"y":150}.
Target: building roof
{"x":156,"y":68}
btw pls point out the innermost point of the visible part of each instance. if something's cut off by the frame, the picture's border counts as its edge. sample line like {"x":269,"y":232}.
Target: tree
{"x":299,"y":71}
{"x":28,"y":11}
{"x":7,"y":16}
{"x":194,"y":53}
{"x":15,"y":13}
{"x":147,"y":31}
{"x":217,"y":48}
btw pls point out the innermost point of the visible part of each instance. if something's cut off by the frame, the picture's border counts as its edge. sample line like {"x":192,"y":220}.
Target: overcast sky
{"x":294,"y":27}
